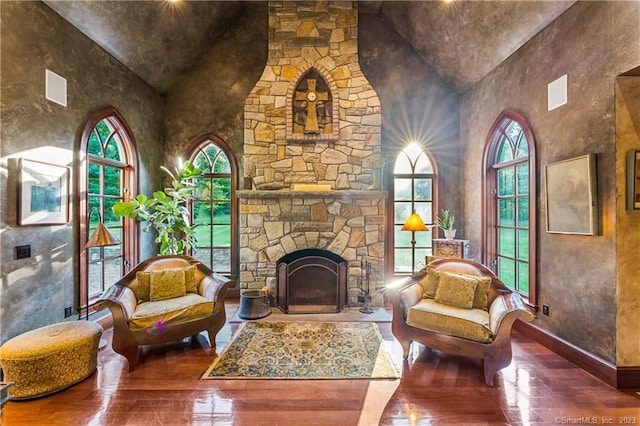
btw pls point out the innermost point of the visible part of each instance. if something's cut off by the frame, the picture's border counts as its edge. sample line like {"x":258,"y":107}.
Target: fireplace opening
{"x":312,"y":281}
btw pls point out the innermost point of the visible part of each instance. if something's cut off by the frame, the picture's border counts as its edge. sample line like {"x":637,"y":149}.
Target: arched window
{"x":213,"y":209}
{"x":511,"y":203}
{"x":414,"y":183}
{"x":106,"y":175}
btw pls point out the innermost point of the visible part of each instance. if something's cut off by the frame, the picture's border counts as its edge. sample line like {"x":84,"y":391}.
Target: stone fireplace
{"x":312,"y":149}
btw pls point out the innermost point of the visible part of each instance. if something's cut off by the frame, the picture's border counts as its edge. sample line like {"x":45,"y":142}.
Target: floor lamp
{"x":414,"y":224}
{"x":101,"y":237}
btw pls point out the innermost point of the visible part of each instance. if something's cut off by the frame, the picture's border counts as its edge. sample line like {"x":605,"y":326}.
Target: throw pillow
{"x":167,"y":284}
{"x":191,"y":285}
{"x":144,"y":284}
{"x":429,"y":282}
{"x":456,"y":290}
{"x":481,"y":298}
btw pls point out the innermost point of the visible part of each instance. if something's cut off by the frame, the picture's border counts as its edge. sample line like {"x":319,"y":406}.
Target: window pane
{"x":112,"y":181}
{"x":222,"y":164}
{"x":112,"y":271}
{"x":402,"y":189}
{"x":522,"y":148}
{"x":423,"y":190}
{"x":402,"y":212}
{"x":112,"y":151}
{"x":201,"y":213}
{"x":506,"y":181}
{"x":513,"y":131}
{"x":221,"y":260}
{"x":204,"y":256}
{"x":403,"y":260}
{"x":104,"y":130}
{"x":203,"y":189}
{"x":402,"y":238}
{"x":95,"y":275}
{"x":222,"y":188}
{"x":403,"y":165}
{"x":522,"y":174}
{"x":523,"y":244}
{"x":110,"y":218}
{"x":523,"y":212}
{"x":203,"y":235}
{"x":95,"y":183}
{"x":506,"y":242}
{"x":222,"y":235}
{"x":113,"y":251}
{"x":222,"y":213}
{"x":423,"y":238}
{"x":202,"y":162}
{"x":506,"y":212}
{"x":425,"y":210}
{"x":421,"y":256}
{"x":507,"y":271}
{"x":523,"y":277}
{"x":93,"y":206}
{"x":505,"y":152}
{"x":94,"y":147}
{"x":423,"y":165}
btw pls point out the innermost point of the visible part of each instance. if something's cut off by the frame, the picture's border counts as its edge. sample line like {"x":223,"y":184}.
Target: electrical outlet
{"x":545,"y":309}
{"x":23,"y":252}
{"x":67,"y":312}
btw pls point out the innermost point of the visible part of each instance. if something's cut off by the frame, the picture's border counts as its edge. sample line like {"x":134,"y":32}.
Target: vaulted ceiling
{"x":159,"y":41}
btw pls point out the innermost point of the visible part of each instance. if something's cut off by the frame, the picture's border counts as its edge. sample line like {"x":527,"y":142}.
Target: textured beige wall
{"x":627,"y":226}
{"x":35,"y":291}
{"x":591,"y":42}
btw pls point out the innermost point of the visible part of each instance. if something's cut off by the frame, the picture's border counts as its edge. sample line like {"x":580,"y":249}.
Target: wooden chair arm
{"x":120,"y":300}
{"x":214,"y":288}
{"x":505,"y":310}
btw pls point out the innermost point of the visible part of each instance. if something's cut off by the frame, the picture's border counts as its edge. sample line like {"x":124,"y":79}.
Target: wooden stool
{"x":51,"y":358}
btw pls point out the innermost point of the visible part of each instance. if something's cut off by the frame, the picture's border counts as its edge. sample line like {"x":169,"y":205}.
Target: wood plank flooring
{"x":539,"y":387}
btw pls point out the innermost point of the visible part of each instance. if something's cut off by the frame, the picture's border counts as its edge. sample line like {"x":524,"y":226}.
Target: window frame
{"x":489,"y":188}
{"x":194,"y":149}
{"x":391,"y":224}
{"x":129,"y":185}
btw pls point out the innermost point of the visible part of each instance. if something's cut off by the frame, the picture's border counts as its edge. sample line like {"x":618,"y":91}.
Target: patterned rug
{"x":304,"y":350}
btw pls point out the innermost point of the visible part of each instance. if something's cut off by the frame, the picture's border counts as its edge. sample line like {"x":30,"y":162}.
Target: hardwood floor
{"x":539,"y":387}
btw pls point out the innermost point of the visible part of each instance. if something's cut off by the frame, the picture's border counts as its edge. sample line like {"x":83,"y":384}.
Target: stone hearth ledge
{"x":337,"y":194}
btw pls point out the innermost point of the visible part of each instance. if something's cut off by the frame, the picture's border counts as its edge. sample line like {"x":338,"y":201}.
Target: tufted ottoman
{"x":51,"y":358}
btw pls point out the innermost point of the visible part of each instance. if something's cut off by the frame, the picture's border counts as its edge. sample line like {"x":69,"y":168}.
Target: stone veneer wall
{"x":323,"y":36}
{"x":275,"y":223}
{"x":349,"y":220}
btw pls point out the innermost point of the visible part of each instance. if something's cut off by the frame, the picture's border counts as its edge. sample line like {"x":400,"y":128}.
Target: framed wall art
{"x":633,"y":180}
{"x":572,"y":203}
{"x":43,"y":193}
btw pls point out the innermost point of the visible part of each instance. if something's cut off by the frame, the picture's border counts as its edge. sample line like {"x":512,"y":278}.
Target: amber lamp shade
{"x":414,"y":223}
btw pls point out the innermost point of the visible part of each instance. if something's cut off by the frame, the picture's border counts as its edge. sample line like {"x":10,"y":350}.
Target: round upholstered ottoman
{"x":51,"y":358}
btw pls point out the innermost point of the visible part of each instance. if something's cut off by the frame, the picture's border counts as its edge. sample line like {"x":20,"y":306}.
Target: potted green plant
{"x":445,"y":222}
{"x":166,"y":211}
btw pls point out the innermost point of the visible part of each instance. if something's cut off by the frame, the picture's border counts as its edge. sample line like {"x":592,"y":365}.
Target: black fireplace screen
{"x":312,"y":281}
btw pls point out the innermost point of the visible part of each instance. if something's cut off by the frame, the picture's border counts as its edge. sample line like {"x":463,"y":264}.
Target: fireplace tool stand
{"x":367,"y":294}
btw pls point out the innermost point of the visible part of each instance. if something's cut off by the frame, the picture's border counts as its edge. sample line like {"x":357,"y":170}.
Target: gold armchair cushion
{"x":429,"y":282}
{"x":152,"y":316}
{"x":472,"y":324}
{"x":456,"y":290}
{"x":167,"y":284}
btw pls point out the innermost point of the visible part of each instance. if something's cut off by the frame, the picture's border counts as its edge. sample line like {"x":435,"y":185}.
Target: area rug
{"x":304,"y":350}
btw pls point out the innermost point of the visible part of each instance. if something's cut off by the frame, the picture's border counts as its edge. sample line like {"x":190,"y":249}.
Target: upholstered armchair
{"x":459,"y":307}
{"x":164,"y":299}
